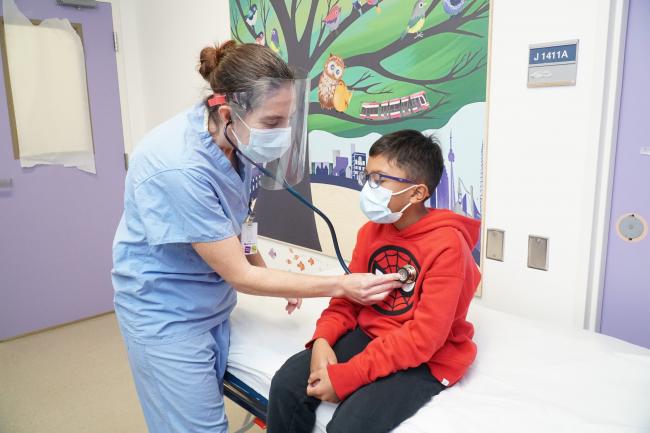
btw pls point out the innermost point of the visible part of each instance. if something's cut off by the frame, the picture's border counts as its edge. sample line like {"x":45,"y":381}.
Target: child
{"x":385,"y":361}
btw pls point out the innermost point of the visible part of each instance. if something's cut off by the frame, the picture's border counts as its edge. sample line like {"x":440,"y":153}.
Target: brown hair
{"x":420,"y":156}
{"x":231,"y":67}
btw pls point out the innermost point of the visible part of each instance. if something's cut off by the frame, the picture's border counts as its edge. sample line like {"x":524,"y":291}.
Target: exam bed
{"x":528,"y":376}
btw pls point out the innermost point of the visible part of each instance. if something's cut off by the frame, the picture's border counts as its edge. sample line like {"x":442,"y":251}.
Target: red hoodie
{"x":423,"y":323}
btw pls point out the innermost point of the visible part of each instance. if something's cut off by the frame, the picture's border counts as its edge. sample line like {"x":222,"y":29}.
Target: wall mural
{"x":375,"y":66}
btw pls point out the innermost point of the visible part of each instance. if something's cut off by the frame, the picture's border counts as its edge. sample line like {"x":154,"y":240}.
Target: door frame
{"x":615,"y":60}
{"x":121,"y":75}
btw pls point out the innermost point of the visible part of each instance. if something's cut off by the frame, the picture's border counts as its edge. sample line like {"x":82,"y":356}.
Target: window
{"x":54,"y":104}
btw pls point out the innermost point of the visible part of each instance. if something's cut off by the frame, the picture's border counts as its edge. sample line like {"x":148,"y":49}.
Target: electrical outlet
{"x":538,"y":252}
{"x":494,"y":245}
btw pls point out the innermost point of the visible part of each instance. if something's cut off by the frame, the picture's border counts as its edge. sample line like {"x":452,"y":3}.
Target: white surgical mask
{"x":374,"y":204}
{"x":265,"y":145}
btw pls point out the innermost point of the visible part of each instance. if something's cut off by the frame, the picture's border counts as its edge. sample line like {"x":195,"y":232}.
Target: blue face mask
{"x":265,"y":145}
{"x":374,"y":204}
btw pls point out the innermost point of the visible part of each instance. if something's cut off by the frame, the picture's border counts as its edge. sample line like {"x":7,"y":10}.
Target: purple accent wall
{"x":626,"y":297}
{"x":57,"y":224}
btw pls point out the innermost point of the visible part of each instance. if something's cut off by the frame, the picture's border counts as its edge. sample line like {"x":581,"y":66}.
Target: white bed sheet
{"x":528,"y":376}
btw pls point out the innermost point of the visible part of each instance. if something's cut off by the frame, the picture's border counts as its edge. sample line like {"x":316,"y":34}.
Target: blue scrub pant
{"x":180,"y":384}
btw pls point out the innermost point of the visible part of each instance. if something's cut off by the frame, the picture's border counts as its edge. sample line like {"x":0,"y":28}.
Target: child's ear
{"x":421,"y":193}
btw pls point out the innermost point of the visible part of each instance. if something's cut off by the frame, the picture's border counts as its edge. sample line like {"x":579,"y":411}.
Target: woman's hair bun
{"x":211,"y":56}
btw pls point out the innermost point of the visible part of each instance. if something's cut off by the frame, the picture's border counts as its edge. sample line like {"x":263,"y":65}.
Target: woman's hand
{"x":292,"y":304}
{"x":322,"y":355}
{"x":367,"y":289}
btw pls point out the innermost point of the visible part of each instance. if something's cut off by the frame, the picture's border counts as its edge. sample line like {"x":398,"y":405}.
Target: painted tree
{"x":391,"y":49}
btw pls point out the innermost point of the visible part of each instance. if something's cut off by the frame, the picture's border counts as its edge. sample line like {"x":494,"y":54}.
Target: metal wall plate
{"x":538,"y":252}
{"x":494,"y":244}
{"x":553,"y":64}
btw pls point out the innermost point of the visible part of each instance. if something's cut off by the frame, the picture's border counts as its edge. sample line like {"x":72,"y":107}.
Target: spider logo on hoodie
{"x":387,"y":260}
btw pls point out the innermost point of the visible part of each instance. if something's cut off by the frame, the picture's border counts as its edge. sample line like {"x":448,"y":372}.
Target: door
{"x":626,"y":296}
{"x":56,"y":223}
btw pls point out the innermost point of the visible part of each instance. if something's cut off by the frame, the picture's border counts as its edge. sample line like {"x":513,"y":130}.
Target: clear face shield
{"x":269,"y":127}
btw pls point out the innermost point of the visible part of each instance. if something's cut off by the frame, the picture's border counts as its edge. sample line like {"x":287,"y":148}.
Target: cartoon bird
{"x":416,"y":22}
{"x":251,"y":18}
{"x":357,"y":6}
{"x":275,"y":41}
{"x":260,"y":39}
{"x":342,"y":97}
{"x":332,"y":74}
{"x":453,"y":7}
{"x":374,"y":3}
{"x":333,"y":18}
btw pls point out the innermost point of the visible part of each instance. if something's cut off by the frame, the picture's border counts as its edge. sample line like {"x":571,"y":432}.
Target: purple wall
{"x":626,"y":298}
{"x":57,"y":224}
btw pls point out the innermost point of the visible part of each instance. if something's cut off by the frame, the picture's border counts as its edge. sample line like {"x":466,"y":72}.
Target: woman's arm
{"x":257,"y":260}
{"x":228,"y":260}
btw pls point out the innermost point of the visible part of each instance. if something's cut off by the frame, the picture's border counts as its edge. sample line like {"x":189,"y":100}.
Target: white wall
{"x":544,"y":156}
{"x":160,"y":42}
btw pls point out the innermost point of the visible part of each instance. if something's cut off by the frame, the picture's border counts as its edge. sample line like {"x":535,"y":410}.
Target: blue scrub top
{"x":180,"y":188}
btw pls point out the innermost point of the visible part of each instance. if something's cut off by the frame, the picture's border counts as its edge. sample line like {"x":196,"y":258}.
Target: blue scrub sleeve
{"x":177,"y":206}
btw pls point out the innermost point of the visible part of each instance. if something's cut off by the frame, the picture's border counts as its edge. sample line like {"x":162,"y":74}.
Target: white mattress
{"x":528,"y":377}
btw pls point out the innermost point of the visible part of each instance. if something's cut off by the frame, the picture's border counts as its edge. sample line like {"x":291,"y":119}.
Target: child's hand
{"x":320,"y":386}
{"x":322,"y":355}
{"x":292,"y":304}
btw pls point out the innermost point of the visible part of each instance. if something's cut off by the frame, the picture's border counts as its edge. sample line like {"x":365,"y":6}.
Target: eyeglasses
{"x":374,"y":179}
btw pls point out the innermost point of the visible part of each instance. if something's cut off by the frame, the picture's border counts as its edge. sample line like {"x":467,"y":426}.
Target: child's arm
{"x":417,"y":340}
{"x":337,"y":319}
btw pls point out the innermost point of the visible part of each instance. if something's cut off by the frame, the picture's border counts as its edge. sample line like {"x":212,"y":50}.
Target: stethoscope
{"x":407,"y":274}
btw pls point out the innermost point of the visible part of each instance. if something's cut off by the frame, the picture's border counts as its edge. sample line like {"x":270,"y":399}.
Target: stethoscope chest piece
{"x":407,"y":274}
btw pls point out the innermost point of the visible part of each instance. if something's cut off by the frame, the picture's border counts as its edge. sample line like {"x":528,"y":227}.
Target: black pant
{"x":377,"y":407}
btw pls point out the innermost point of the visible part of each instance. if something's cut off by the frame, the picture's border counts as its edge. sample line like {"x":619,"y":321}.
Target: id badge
{"x":249,"y":237}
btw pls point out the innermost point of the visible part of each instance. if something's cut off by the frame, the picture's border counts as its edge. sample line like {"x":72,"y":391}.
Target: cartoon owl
{"x":332,"y":74}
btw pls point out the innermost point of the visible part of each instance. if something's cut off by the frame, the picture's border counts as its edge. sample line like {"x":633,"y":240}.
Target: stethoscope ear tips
{"x":407,"y":274}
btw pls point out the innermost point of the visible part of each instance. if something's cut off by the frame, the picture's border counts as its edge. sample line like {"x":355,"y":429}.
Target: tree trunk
{"x":281,"y":216}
